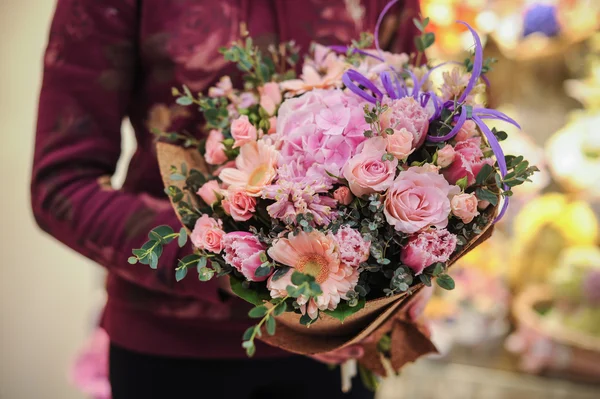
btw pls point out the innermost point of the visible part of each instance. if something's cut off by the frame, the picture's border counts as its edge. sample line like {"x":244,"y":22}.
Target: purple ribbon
{"x":379,"y":22}
{"x":352,"y":76}
{"x":477,"y":63}
{"x":459,"y":124}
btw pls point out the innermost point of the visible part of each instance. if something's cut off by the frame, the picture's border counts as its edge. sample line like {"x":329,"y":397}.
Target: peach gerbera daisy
{"x":311,"y":79}
{"x":255,"y":168}
{"x":315,"y":254}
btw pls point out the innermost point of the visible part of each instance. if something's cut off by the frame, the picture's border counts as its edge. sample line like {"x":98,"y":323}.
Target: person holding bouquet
{"x":117,"y":59}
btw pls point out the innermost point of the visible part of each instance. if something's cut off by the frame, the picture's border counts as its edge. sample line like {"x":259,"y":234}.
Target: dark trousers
{"x":138,"y":376}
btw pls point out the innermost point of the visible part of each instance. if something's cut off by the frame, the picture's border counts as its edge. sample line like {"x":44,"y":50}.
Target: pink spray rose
{"x":243,"y":131}
{"x":270,"y":97}
{"x":343,"y":195}
{"x":407,"y":113}
{"x":366,"y":172}
{"x":418,"y":199}
{"x":352,"y":246}
{"x":468,"y":161}
{"x":243,"y":251}
{"x":400,"y":144}
{"x":464,"y":207}
{"x":208,"y":192}
{"x":445,"y":156}
{"x":215,"y":151}
{"x":427,"y":248}
{"x":468,"y":130}
{"x":239,"y":205}
{"x":207,"y":234}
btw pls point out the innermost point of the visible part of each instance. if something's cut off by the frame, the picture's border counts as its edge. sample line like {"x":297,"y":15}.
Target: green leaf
{"x":486,"y":195}
{"x":185,"y":101}
{"x":205,"y":274}
{"x":484,"y":173}
{"x":305,"y":320}
{"x":280,"y":272}
{"x":177,"y":177}
{"x":300,"y":278}
{"x":438,"y":269}
{"x":258,"y":312}
{"x":344,"y":310}
{"x":160,"y":234}
{"x":181,"y":273}
{"x":132,"y":260}
{"x":251,"y":350}
{"x":201,"y":263}
{"x":462,"y":183}
{"x":182,"y":239}
{"x":153,"y":260}
{"x":175,"y":193}
{"x":248,"y":333}
{"x":425,"y":279}
{"x":262,"y":271}
{"x":445,"y":281}
{"x":249,"y":295}
{"x":280,"y":309}
{"x":263,"y":257}
{"x":271,"y":324}
{"x":368,"y":378}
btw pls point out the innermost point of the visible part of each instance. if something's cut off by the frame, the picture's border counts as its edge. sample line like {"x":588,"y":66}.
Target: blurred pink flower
{"x":90,"y":371}
{"x":468,"y":161}
{"x":352,"y":246}
{"x":215,"y":150}
{"x":207,"y":234}
{"x":427,"y":248}
{"x":243,"y":251}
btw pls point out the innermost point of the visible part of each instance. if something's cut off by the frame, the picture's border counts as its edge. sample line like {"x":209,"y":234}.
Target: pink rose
{"x":468,"y":161}
{"x":207,"y":234}
{"x":243,"y":251}
{"x":215,"y":151}
{"x":467,"y":130}
{"x":400,"y":143}
{"x":407,"y":113}
{"x":366,"y":172}
{"x":208,"y":192}
{"x":445,"y":156}
{"x":343,"y":195}
{"x":464,"y":207}
{"x":270,"y":97}
{"x":418,"y":199}
{"x":243,"y":131}
{"x":428,"y":247}
{"x":352,"y":246}
{"x":239,"y":205}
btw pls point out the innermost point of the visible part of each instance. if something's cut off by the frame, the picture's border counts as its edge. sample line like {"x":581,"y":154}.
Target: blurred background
{"x":524,"y":320}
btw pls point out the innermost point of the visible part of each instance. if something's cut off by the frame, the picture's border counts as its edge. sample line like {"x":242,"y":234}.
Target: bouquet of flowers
{"x":330,"y":197}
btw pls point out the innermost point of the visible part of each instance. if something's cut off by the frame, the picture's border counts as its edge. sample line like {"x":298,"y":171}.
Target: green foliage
{"x":486,"y":195}
{"x":445,"y":281}
{"x":344,"y":310}
{"x":181,"y":241}
{"x":253,"y":296}
{"x":462,"y":183}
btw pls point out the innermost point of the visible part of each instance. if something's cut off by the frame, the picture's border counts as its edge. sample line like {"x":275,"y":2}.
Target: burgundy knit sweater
{"x":112,"y":59}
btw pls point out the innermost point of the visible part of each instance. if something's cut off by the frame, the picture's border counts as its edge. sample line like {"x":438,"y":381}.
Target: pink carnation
{"x":468,"y":161}
{"x":352,"y":246}
{"x":215,"y":150}
{"x":418,"y":199}
{"x":243,"y":251}
{"x":428,"y":247}
{"x":207,"y":234}
{"x":366,"y":172}
{"x":407,"y":113}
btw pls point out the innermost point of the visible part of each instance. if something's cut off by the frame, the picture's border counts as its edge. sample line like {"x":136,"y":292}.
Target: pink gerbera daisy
{"x":255,"y":168}
{"x":315,"y":254}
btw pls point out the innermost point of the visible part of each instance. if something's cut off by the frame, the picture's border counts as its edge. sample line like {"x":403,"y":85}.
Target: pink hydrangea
{"x":321,"y":129}
{"x":428,"y":247}
{"x":353,"y":248}
{"x":243,"y":251}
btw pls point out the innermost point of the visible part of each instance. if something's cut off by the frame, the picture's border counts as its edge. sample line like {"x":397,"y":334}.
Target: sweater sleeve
{"x":89,"y":78}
